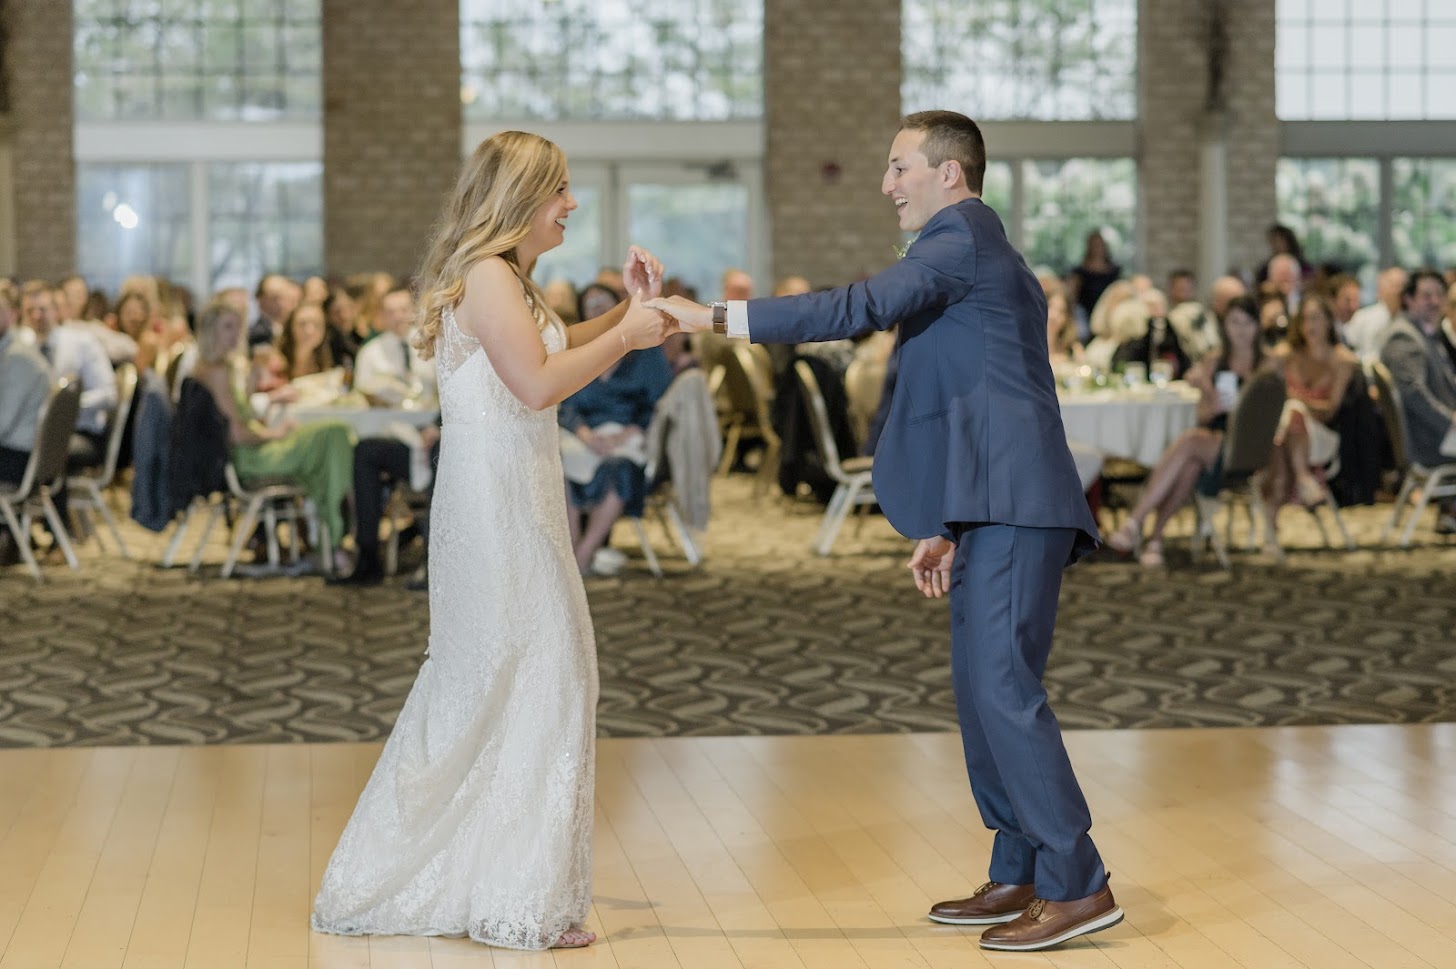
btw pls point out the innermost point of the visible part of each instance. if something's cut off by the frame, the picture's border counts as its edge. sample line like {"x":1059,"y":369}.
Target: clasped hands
{"x":651,"y":318}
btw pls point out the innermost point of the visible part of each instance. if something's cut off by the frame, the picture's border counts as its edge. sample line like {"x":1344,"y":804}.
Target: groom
{"x":974,"y":463}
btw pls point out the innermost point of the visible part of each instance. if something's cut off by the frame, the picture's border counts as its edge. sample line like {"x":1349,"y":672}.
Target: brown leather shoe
{"x":992,"y":902}
{"x":1045,"y":923}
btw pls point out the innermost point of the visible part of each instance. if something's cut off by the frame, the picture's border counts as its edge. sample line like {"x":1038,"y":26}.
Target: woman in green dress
{"x":319,"y":456}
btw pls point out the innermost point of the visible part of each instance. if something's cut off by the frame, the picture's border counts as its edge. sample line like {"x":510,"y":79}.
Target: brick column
{"x":831,"y":98}
{"x":392,"y":129}
{"x":1185,"y":118}
{"x":38,"y":74}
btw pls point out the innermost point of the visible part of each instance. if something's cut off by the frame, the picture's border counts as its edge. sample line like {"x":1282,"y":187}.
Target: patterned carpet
{"x":764,"y":638}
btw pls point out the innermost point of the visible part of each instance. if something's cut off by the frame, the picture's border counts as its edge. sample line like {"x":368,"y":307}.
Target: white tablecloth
{"x":366,"y":421}
{"x":1129,"y":424}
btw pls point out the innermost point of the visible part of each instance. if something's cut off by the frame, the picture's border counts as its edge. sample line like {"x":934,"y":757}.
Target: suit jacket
{"x":1427,"y":387}
{"x":974,"y":432}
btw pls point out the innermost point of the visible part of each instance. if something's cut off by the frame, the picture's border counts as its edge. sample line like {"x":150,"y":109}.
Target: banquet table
{"x":1136,"y":423}
{"x":366,"y":421}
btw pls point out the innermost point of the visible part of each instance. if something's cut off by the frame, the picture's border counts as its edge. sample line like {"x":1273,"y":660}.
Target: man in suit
{"x":1423,"y":376}
{"x":973,"y":462}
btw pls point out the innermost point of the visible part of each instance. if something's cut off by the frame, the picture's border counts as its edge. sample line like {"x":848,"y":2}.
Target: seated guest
{"x":1126,"y":323}
{"x":1158,"y":341}
{"x":347,"y":331}
{"x":1103,"y":342}
{"x":1423,"y":376}
{"x":303,"y":345}
{"x":1447,"y":336}
{"x":608,"y":416}
{"x":1273,"y":318}
{"x":388,"y":370}
{"x":319,"y":456}
{"x":1344,"y":293}
{"x":561,"y":297}
{"x":134,"y":320}
{"x":315,"y":290}
{"x":382,"y":464}
{"x":1197,"y":453}
{"x":1062,"y":345}
{"x":1317,"y":370}
{"x":25,"y":382}
{"x":74,"y":353}
{"x":1365,"y":333}
{"x":277,"y":295}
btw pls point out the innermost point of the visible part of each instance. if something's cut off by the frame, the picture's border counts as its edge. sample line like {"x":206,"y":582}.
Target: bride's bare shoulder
{"x":492,"y":292}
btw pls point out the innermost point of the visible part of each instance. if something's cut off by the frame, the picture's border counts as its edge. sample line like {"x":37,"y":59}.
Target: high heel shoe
{"x":1311,"y":492}
{"x":1125,"y":540}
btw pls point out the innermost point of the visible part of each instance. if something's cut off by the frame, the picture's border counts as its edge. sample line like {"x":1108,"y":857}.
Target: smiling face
{"x":548,"y":225}
{"x":918,"y":190}
{"x":308,"y":328}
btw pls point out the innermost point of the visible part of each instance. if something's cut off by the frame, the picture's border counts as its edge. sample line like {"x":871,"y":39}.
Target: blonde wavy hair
{"x":508,"y":178}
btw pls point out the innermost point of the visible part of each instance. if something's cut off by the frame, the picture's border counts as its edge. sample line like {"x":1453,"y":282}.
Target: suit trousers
{"x":1003,"y":597}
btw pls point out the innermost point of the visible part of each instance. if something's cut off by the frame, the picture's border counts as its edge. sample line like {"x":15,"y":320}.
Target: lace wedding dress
{"x":477,"y":820}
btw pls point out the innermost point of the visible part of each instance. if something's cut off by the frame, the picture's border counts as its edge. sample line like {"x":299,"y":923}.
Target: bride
{"x":477,"y":819}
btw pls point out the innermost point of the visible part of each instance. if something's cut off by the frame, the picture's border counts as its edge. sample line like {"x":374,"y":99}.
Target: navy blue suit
{"x":973,"y":449}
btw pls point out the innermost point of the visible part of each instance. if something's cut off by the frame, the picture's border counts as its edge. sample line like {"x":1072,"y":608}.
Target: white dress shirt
{"x":390,"y":371}
{"x":74,"y":353}
{"x":1366,"y":330}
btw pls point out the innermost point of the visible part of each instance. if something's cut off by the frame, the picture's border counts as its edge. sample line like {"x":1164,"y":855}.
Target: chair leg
{"x":1211,"y":507}
{"x":212,"y":516}
{"x":1340,"y":522}
{"x":834,"y":515}
{"x":244,"y":530}
{"x":730,"y":448}
{"x":647,"y":550}
{"x":1406,"y":487}
{"x":105,"y":513}
{"x":57,"y":526}
{"x":22,"y":540}
{"x":1415,"y":515}
{"x":684,"y":534}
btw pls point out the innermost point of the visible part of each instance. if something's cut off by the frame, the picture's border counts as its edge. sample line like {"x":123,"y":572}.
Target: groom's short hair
{"x":951,"y":136}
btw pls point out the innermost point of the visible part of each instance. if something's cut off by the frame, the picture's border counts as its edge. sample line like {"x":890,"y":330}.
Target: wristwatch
{"x":720,"y":317}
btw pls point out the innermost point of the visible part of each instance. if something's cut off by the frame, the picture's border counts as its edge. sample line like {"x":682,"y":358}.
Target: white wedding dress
{"x":477,"y":820}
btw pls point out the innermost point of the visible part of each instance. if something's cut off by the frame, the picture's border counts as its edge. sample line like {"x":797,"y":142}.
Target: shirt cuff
{"x":738,"y":318}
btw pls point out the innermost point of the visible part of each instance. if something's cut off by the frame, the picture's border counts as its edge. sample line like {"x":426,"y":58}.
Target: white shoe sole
{"x":1086,"y":928}
{"x":988,"y":920}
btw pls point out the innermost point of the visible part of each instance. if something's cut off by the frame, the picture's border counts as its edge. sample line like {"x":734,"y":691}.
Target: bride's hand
{"x":642,"y":273}
{"x":643,"y":327}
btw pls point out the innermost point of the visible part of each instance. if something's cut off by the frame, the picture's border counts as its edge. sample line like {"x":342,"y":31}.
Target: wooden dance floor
{"x":1270,"y":848}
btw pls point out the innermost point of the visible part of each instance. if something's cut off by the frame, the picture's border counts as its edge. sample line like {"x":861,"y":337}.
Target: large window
{"x":261,"y":218}
{"x":221,"y":60}
{"x":1424,"y":224}
{"x":1333,"y":206}
{"x":142,"y":219}
{"x":133,"y":220}
{"x":1366,"y":59}
{"x":612,"y":60}
{"x":1067,"y":199}
{"x":1045,"y":60}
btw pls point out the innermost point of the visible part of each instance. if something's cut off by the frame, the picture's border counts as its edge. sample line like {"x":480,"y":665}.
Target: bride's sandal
{"x":575,"y":939}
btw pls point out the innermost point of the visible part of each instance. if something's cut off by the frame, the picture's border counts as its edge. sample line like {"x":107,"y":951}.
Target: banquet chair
{"x":864,"y":382}
{"x":87,"y":486}
{"x":44,"y":472}
{"x":1248,"y":445}
{"x":854,"y":487}
{"x":664,"y":497}
{"x":747,"y":387}
{"x":1419,"y":485}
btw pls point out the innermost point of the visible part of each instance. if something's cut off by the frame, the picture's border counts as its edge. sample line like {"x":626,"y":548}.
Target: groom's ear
{"x":951,"y":173}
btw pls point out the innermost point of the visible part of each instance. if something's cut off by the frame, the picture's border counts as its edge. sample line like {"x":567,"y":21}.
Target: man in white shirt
{"x":388,"y":370}
{"x":1366,"y":330}
{"x":25,"y":381}
{"x":77,"y":355}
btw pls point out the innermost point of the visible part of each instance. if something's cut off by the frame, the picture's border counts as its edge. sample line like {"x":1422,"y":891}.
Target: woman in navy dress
{"x":610,"y":416}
